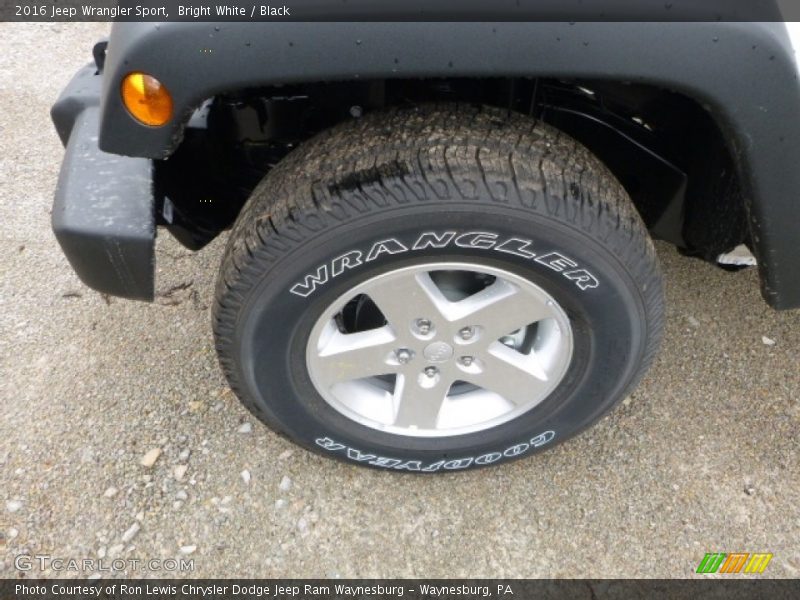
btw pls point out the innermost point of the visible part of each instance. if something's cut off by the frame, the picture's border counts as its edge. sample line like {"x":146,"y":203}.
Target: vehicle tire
{"x":437,"y":288}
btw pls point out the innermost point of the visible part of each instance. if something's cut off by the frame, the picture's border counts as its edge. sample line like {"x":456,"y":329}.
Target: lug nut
{"x":424,"y":326}
{"x":403,"y":356}
{"x":431,"y":372}
{"x":467,"y":333}
{"x":466,"y":361}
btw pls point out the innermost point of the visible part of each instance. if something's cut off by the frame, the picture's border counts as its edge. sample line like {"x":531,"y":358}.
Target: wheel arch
{"x":758,"y":119}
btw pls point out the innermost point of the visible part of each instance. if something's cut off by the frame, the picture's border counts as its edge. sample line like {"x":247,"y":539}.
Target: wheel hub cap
{"x":438,"y":352}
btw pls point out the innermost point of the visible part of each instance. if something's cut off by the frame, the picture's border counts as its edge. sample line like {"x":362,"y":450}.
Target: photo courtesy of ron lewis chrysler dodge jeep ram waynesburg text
{"x":440,"y":253}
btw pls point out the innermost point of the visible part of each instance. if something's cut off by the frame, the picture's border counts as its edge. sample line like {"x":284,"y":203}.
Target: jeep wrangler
{"x":440,"y":251}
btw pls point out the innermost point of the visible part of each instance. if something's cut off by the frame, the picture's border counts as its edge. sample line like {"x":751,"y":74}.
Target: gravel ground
{"x":702,"y":457}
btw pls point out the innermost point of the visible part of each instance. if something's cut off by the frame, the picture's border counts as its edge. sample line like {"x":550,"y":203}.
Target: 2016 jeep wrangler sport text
{"x":440,"y":253}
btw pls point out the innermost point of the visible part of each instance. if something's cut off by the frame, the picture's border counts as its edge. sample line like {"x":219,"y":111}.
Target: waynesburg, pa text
{"x":306,"y":591}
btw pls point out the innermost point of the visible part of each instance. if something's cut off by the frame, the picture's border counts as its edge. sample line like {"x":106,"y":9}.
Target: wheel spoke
{"x":342,"y":357}
{"x":516,"y":377}
{"x":408,"y":298}
{"x":500,"y":309}
{"x":418,"y":406}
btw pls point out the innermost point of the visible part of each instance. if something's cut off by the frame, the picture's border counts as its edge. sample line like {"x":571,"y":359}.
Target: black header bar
{"x":402,"y":10}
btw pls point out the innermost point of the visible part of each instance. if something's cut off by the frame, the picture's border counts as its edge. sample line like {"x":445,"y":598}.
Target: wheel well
{"x":664,"y":147}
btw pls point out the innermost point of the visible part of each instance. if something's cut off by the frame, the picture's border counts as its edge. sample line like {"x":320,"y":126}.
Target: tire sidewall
{"x":274,"y":324}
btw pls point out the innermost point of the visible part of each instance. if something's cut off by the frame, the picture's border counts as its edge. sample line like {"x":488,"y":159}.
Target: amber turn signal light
{"x":146,"y":99}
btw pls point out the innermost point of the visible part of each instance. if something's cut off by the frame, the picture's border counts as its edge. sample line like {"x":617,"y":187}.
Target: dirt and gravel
{"x":120,"y":439}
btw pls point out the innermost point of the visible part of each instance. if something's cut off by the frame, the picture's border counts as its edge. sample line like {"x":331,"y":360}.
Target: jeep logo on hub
{"x":438,"y":352}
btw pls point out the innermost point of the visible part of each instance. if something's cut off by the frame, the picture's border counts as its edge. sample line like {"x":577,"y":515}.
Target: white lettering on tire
{"x":390,"y":246}
{"x":454,"y":464}
{"x":472,"y":240}
{"x":431,"y":239}
{"x":350,"y":260}
{"x":310,"y":282}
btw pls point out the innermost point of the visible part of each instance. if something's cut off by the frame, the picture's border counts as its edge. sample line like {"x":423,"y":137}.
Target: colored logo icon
{"x":736,"y":562}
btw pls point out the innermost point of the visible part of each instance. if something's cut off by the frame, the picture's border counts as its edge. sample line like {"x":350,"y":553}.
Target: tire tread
{"x":421,"y":155}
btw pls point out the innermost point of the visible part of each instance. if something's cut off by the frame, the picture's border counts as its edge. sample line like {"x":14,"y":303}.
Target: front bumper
{"x":103,"y":214}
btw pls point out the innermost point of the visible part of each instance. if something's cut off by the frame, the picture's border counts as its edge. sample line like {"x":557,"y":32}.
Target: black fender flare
{"x":744,"y":74}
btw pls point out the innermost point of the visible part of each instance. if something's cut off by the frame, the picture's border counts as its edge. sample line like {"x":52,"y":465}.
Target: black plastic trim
{"x":103,"y":214}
